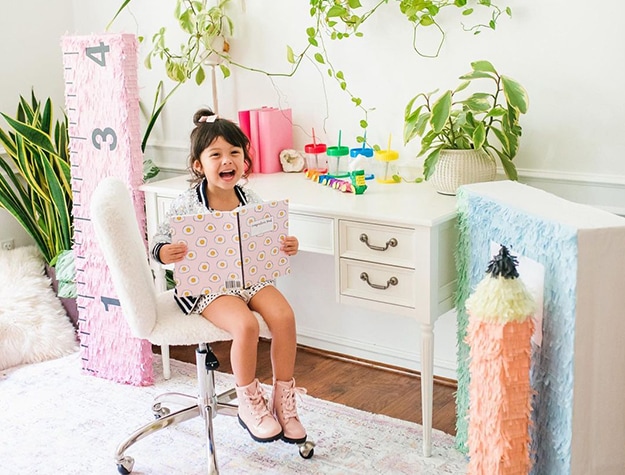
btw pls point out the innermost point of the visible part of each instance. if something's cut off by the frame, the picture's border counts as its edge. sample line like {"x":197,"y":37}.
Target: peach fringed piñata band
{"x":499,"y":336}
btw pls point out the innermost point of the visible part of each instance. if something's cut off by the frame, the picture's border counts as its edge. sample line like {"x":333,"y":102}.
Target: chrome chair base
{"x":207,"y":405}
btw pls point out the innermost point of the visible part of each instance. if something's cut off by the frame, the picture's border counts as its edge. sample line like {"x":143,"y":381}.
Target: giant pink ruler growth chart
{"x":102,"y":102}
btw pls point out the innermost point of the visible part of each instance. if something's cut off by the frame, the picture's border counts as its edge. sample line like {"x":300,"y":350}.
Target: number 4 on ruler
{"x":97,"y":53}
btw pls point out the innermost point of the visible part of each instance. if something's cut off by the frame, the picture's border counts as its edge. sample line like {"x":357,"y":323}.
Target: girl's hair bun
{"x":198,"y":117}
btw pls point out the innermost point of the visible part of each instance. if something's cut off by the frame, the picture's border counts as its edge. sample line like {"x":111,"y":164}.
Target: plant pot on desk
{"x":455,"y":168}
{"x":69,"y":304}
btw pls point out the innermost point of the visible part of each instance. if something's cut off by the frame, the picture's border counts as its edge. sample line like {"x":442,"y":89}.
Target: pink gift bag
{"x":270,"y":131}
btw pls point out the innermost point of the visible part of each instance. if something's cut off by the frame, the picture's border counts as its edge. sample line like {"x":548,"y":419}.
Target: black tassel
{"x":503,"y":264}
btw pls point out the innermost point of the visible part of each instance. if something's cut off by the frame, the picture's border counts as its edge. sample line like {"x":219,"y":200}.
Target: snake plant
{"x":35,"y":185}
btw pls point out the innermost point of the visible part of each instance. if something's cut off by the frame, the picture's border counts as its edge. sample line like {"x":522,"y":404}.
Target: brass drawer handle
{"x":391,"y":242}
{"x":389,"y":282}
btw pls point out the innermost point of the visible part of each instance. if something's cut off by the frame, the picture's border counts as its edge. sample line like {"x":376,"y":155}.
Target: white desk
{"x":392,"y":247}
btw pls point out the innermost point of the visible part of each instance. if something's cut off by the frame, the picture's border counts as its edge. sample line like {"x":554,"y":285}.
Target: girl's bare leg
{"x":230,"y":313}
{"x":278,"y":314}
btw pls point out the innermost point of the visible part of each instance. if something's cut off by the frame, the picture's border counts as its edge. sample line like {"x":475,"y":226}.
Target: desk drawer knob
{"x":391,"y":242}
{"x":392,"y":281}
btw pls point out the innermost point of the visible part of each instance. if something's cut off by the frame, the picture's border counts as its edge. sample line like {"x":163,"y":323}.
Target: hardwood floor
{"x":359,"y":384}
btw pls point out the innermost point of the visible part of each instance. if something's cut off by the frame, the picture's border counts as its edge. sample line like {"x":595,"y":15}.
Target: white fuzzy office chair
{"x":156,"y":317}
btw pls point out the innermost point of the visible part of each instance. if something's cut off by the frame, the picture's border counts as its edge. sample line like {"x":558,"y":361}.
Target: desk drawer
{"x":387,"y":284}
{"x":382,"y":244}
{"x":315,"y":233}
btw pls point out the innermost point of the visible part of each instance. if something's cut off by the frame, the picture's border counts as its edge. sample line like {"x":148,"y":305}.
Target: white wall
{"x":30,"y":49}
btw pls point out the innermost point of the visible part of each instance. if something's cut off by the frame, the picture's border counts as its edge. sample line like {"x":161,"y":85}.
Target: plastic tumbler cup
{"x":335,"y":167}
{"x":315,"y":156}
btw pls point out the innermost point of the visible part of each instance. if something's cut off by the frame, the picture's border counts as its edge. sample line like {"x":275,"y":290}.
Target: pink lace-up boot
{"x":254,"y":415}
{"x":285,"y":409}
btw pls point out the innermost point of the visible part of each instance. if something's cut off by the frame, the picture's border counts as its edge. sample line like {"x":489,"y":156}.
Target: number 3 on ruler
{"x":97,"y":54}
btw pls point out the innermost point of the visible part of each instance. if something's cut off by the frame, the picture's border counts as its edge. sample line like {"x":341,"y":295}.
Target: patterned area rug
{"x":58,"y":420}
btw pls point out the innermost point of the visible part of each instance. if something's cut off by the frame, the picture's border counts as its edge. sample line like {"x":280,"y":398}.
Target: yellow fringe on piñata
{"x":501,"y":300}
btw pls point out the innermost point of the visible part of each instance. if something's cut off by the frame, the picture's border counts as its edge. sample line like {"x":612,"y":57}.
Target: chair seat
{"x":173,"y":327}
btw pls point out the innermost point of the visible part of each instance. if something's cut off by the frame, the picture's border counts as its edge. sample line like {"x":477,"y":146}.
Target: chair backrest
{"x":117,"y":231}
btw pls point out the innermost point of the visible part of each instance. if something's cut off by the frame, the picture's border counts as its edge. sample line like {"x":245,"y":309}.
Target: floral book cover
{"x":231,"y":249}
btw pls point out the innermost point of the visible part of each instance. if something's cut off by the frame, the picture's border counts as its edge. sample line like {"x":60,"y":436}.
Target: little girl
{"x":219,"y":159}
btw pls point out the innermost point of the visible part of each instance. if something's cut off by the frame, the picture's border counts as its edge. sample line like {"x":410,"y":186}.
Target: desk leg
{"x":427,"y":385}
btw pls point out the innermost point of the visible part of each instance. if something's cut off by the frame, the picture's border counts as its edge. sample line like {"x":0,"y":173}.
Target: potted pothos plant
{"x":35,"y":185}
{"x":343,"y":19}
{"x":206,"y":27}
{"x":483,"y":119}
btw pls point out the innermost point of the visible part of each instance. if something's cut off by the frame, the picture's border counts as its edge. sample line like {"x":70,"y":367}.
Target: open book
{"x":231,"y":249}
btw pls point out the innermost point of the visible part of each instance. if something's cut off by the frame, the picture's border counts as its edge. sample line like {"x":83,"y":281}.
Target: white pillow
{"x":33,"y":323}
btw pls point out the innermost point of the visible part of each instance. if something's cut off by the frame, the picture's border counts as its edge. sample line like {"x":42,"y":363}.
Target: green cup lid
{"x":339,"y":151}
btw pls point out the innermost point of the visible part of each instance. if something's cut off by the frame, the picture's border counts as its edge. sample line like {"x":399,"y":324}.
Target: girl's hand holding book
{"x":171,"y":253}
{"x":290,"y":245}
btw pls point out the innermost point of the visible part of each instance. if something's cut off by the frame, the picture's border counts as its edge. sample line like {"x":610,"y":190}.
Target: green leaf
{"x":290,"y":56}
{"x":354,"y":3}
{"x":478,"y":102}
{"x":497,"y":111}
{"x":200,"y":76}
{"x":479,"y":135}
{"x":430,"y":163}
{"x":463,"y":85}
{"x":30,"y":133}
{"x":121,"y":8}
{"x":57,"y":196}
{"x":477,"y":75}
{"x":515,"y":94}
{"x":148,"y":61}
{"x":440,"y":112}
{"x":508,"y":166}
{"x":421,"y":123}
{"x":336,"y":11}
{"x":411,"y":124}
{"x":364,"y":124}
{"x":426,"y":20}
{"x":319,"y":58}
{"x":224,"y":70}
{"x":484,"y":66}
{"x":467,"y":11}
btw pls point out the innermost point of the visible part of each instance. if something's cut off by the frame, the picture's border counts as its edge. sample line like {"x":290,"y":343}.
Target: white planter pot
{"x":461,"y":167}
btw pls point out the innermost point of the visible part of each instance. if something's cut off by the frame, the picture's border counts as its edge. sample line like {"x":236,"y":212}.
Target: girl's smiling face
{"x":221,"y":163}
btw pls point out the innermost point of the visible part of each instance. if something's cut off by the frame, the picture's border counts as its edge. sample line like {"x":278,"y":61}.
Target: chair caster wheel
{"x":124,"y":466}
{"x":159,"y":411}
{"x":307,"y":450}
